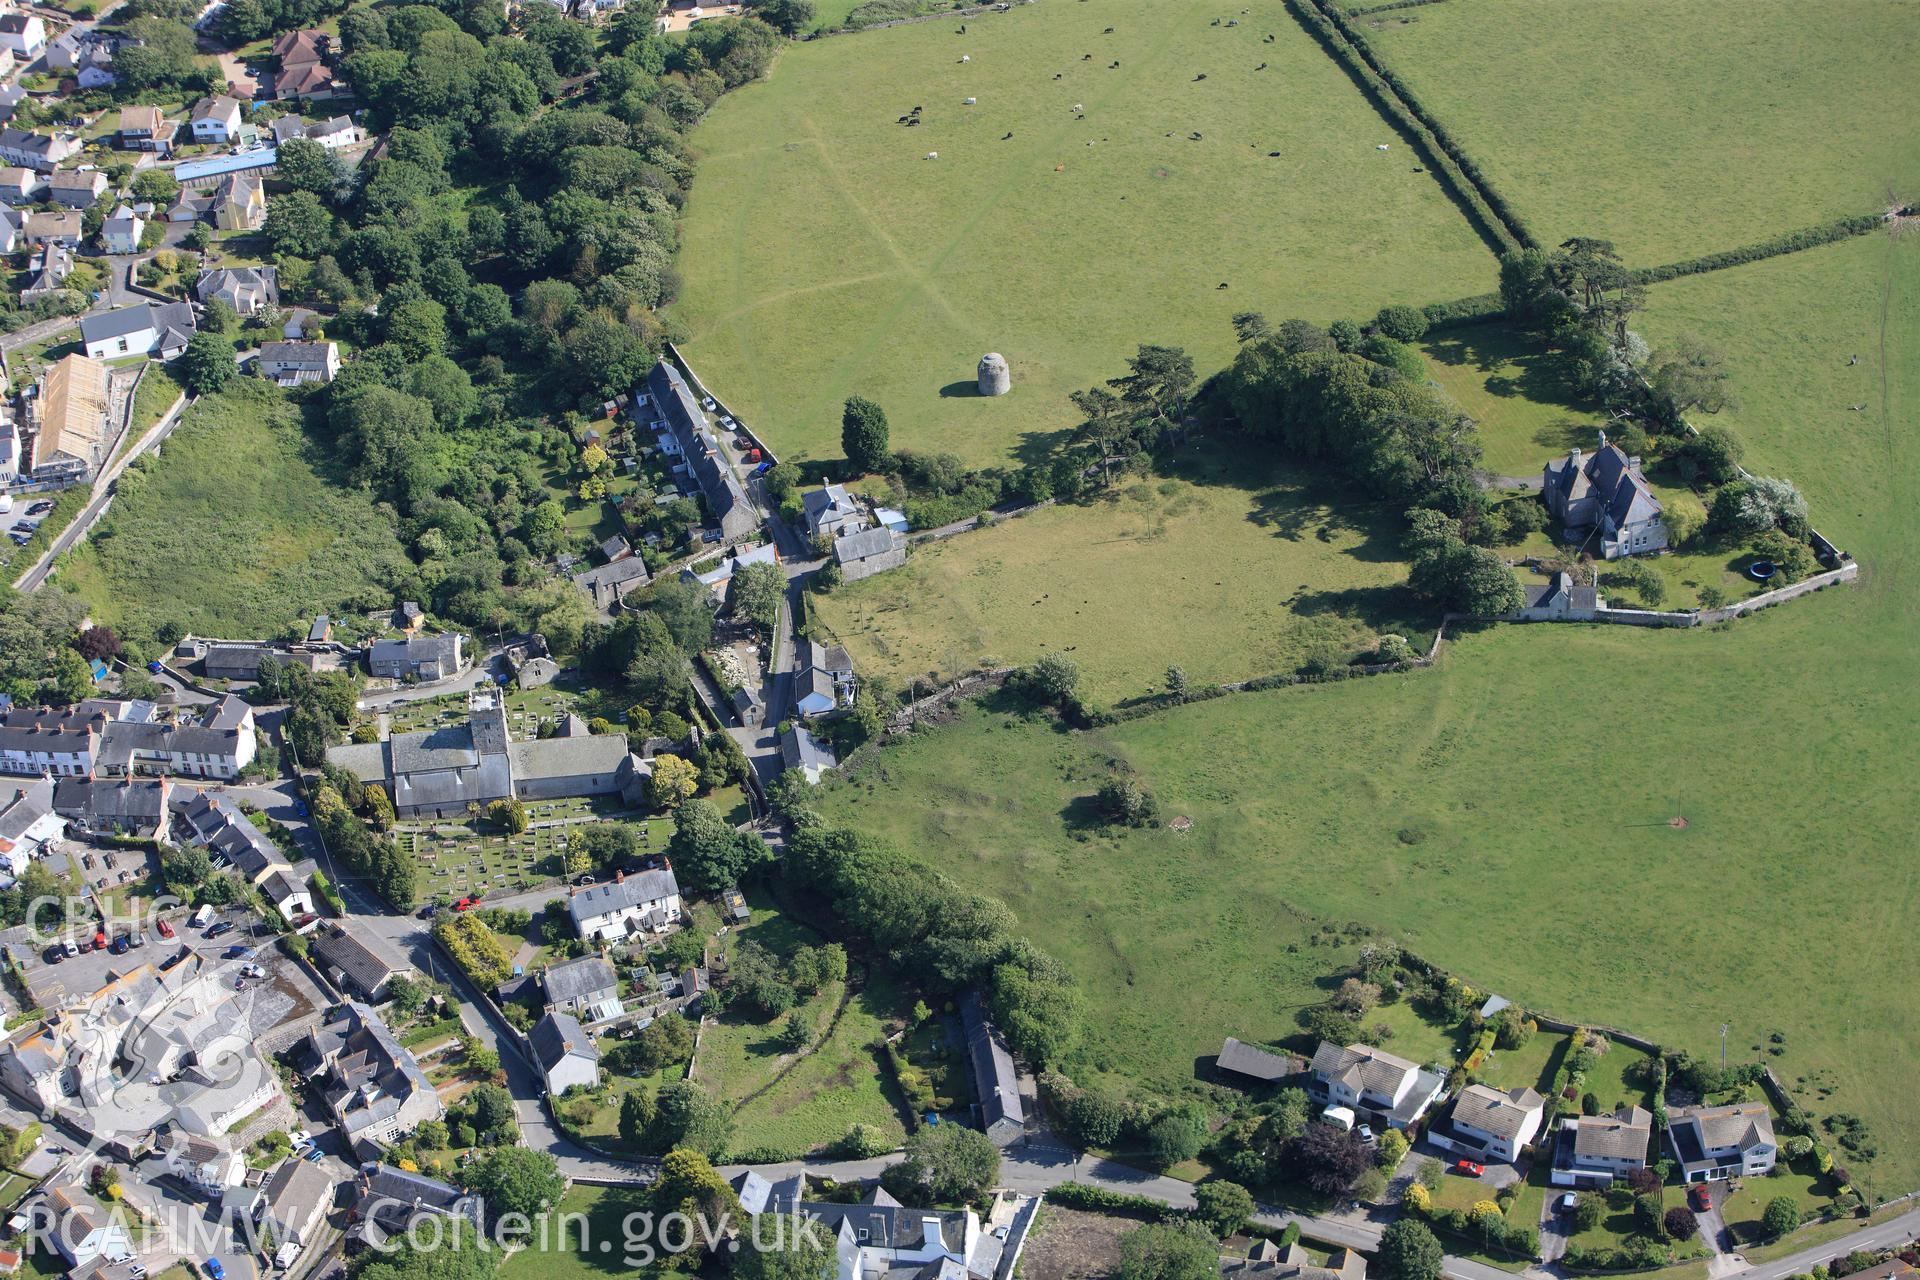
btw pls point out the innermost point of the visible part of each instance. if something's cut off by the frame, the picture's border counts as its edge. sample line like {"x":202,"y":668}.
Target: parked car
{"x":1700,"y":1196}
{"x":1569,"y":1202}
{"x":21,"y":539}
{"x":1366,"y":1132}
{"x":40,"y":508}
{"x":55,"y":954}
{"x":1468,"y":1168}
{"x":156,"y":666}
{"x":214,"y":1270}
{"x":234,"y":952}
{"x":100,"y":940}
{"x":224,"y":926}
{"x":120,"y":945}
{"x":164,"y":929}
{"x":25,"y":526}
{"x":313,"y":1156}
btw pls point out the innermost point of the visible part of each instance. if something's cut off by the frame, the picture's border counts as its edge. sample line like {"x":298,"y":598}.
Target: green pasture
{"x":1512,"y":814}
{"x":1233,"y":567}
{"x":1672,"y":129}
{"x":825,"y":255}
{"x":241,"y":525}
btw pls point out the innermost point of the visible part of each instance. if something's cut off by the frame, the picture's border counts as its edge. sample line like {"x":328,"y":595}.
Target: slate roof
{"x":223,"y":828}
{"x":297,"y":1190}
{"x":568,"y":757}
{"x":996,"y":1083}
{"x":634,"y":892}
{"x":1256,"y":1063}
{"x":264,"y":281}
{"x":726,"y":496}
{"x":389,"y":1192}
{"x":142,"y":800}
{"x":444,"y":648}
{"x":175,"y":318}
{"x":867,"y":543}
{"x":559,"y":1035}
{"x":801,"y":750}
{"x":579,"y":979}
{"x":1736,"y":1126}
{"x":361,"y":954}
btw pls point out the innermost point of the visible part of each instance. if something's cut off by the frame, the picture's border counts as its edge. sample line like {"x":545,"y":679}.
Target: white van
{"x":1340,"y":1117}
{"x":203,"y":917}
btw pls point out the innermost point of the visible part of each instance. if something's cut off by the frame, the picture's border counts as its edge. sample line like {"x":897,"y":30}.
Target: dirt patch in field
{"x":1678,"y":823}
{"x":1072,"y":1245}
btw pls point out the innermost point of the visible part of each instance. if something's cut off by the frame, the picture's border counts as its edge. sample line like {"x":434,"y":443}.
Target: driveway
{"x":1554,"y":1227}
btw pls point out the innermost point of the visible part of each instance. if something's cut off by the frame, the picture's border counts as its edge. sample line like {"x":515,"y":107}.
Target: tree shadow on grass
{"x":1038,"y":448}
{"x":1378,"y":609}
{"x":1488,"y":348}
{"x":1082,"y":813}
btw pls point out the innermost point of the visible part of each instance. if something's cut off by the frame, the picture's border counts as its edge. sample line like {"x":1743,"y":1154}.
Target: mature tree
{"x":156,"y":185}
{"x":758,"y":590}
{"x":1747,"y":507}
{"x":666,"y":1040}
{"x":156,"y":52}
{"x":788,"y":17}
{"x":1176,"y":1136}
{"x":1466,"y":579}
{"x":1169,"y":1251}
{"x":1095,"y":1118}
{"x":790,"y":1248}
{"x":863,"y":435}
{"x":1223,"y":1207}
{"x":674,"y":781}
{"x":305,"y":165}
{"x":1053,"y":676}
{"x":1781,"y":1216}
{"x":636,"y":1116}
{"x":1713,"y":455}
{"x":509,"y":814}
{"x":1691,"y":375}
{"x":685,"y":609}
{"x":460,"y":1253}
{"x":299,"y":225}
{"x":1157,"y":382}
{"x":207,"y":365}
{"x":516,"y":1180}
{"x":1401,"y":323}
{"x":687,"y":1116}
{"x":947,"y":1162}
{"x":1409,"y":1251}
{"x":1329,"y":1158}
{"x":754,"y":978}
{"x":813,"y":968}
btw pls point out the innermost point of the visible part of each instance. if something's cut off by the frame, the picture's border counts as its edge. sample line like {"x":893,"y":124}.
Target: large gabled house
{"x":644,"y":903}
{"x":373,"y":1086}
{"x":159,"y":329}
{"x":248,"y":290}
{"x":1729,"y":1141}
{"x":1604,"y":496}
{"x":1492,"y":1123}
{"x":1594,"y":1150}
{"x":1391,"y":1089}
{"x":833,"y":511}
{"x":824,"y":683}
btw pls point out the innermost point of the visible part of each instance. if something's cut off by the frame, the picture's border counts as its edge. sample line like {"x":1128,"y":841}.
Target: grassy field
{"x":825,"y":255}
{"x":1461,"y":812}
{"x":1527,"y":412}
{"x":1672,"y":130}
{"x":1246,"y":574}
{"x":239,"y":528}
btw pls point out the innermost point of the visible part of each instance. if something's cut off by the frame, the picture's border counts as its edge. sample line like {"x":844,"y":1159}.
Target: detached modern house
{"x":1394,"y":1091}
{"x":1592,"y":1151}
{"x":1732,"y":1141}
{"x":215,"y":119}
{"x":636,"y":904}
{"x":567,"y":1054}
{"x":293,"y":363}
{"x":1494,"y":1124}
{"x":248,"y":290}
{"x":1604,"y":495}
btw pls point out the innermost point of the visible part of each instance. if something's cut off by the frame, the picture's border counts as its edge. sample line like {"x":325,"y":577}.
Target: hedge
{"x":1792,"y":242}
{"x":1081,"y":1195}
{"x":1481,"y":308}
{"x":1386,"y":8}
{"x":473,"y":947}
{"x":1398,"y":100}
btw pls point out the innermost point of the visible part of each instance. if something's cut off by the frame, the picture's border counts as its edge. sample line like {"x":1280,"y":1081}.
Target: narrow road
{"x":82,"y":525}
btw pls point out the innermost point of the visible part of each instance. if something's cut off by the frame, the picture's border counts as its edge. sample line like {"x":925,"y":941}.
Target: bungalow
{"x":1365,"y":1079}
{"x":292,"y":363}
{"x":147,"y":129}
{"x":121,"y":232}
{"x":644,"y":903}
{"x":861,"y":555}
{"x":37,"y":151}
{"x":1269,"y":1260}
{"x":1002,"y":1114}
{"x":1251,"y":1062}
{"x":150,"y":328}
{"x":1604,"y":494}
{"x":248,"y":290}
{"x":1594,"y":1150}
{"x":360,"y":960}
{"x":77,"y":188}
{"x":1730,"y":1141}
{"x":568,"y":1057}
{"x":832,"y":511}
{"x":215,"y":119}
{"x":1494,"y":1123}
{"x":23,"y":35}
{"x":333,"y":133}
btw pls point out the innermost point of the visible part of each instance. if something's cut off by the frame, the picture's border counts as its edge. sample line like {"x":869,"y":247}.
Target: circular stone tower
{"x":995,"y":378}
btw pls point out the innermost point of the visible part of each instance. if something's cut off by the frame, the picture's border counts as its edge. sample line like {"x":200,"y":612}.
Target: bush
{"x":1401,"y":323}
{"x":1781,"y":1217}
{"x":1680,"y":1223}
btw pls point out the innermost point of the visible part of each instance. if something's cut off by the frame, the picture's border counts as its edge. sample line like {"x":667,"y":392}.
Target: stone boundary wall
{"x":973,"y":11}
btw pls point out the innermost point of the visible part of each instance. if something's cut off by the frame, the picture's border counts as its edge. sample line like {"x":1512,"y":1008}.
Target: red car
{"x":99,"y":942}
{"x":1701,"y":1198}
{"x":1469,"y":1168}
{"x":165,"y":929}
{"x":463,"y":904}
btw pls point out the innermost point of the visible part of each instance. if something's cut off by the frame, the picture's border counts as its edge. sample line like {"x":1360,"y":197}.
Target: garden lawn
{"x":1231,"y":570}
{"x":1527,"y":412}
{"x":556,"y":1250}
{"x":825,"y":255}
{"x":1458,"y":810}
{"x":240,"y":527}
{"x":1672,"y":130}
